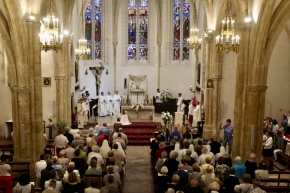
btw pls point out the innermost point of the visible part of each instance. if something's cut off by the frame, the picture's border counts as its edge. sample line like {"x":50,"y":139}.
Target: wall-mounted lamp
{"x":86,"y":72}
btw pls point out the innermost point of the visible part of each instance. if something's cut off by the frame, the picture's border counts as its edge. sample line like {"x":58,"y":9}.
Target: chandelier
{"x":227,"y":41}
{"x":83,"y":52}
{"x":194,"y":42}
{"x":49,"y":37}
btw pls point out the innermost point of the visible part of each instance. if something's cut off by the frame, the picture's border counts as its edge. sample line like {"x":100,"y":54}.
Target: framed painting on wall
{"x":46,"y":81}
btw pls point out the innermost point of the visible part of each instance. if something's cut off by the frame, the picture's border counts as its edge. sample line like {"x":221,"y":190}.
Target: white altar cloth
{"x":146,"y":114}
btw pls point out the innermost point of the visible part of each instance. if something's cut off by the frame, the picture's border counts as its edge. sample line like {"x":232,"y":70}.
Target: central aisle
{"x":138,"y":178}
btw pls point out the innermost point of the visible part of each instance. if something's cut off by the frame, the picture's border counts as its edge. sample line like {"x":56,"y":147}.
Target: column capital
{"x":59,"y":77}
{"x":19,"y":89}
{"x":257,"y":89}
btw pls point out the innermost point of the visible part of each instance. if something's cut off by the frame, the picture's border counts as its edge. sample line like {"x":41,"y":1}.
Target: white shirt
{"x":40,"y":165}
{"x":269,"y":143}
{"x":98,"y":156}
{"x":4,"y":170}
{"x":69,"y":152}
{"x":92,"y":190}
{"x":60,"y":141}
{"x":58,"y":186}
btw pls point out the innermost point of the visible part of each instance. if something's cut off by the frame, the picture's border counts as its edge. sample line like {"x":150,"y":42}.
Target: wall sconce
{"x":86,"y":72}
{"x":107,"y":71}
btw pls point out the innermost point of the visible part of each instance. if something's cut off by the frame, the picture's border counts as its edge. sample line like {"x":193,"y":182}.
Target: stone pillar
{"x":27,"y":103}
{"x":59,"y":82}
{"x":207,"y":130}
{"x":242,"y":91}
{"x":62,"y":74}
{"x":216,"y":105}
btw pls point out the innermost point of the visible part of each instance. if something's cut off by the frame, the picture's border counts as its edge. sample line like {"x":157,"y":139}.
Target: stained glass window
{"x":137,"y":30}
{"x":181,"y":29}
{"x":93,"y":17}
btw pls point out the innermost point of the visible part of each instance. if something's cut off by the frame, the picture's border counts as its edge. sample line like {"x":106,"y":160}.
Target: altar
{"x":145,"y":115}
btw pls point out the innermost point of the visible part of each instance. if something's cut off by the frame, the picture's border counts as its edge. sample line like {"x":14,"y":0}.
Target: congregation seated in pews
{"x":73,"y":167}
{"x":183,"y":161}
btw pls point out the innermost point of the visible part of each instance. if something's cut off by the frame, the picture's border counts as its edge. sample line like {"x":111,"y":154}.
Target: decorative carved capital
{"x":257,"y":89}
{"x":19,"y":89}
{"x":59,"y":77}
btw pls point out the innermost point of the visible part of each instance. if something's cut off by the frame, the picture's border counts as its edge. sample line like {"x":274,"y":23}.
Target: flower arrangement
{"x":50,"y":119}
{"x":138,"y":107}
{"x":166,"y":117}
{"x":166,"y":95}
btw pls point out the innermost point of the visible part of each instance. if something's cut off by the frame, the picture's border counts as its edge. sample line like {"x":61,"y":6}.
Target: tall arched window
{"x":137,"y":30}
{"x":181,"y":24}
{"x":93,"y":28}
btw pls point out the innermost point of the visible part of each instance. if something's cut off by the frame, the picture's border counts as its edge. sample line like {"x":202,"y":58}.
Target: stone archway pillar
{"x":207,"y":130}
{"x":27,"y":103}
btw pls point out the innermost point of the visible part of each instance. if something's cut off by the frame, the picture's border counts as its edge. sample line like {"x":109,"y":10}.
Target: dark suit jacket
{"x":45,"y":175}
{"x":172,"y":166}
{"x":195,"y":190}
{"x":183,"y":177}
{"x":230,"y":183}
{"x":69,"y":137}
{"x":215,"y":147}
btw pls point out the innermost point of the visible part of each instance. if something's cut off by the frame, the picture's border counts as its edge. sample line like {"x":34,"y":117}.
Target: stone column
{"x":61,"y":73}
{"x":242,"y":91}
{"x":207,"y":130}
{"x":27,"y":103}
{"x":216,"y":105}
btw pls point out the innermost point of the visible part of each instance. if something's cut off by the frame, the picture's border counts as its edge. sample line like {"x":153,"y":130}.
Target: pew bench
{"x":19,"y":168}
{"x":283,"y":159}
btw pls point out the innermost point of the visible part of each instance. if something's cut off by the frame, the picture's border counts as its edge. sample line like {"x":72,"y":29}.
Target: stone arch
{"x":279,"y":19}
{"x":8,"y":47}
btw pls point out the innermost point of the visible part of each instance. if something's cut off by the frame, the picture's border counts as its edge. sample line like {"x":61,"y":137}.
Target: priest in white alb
{"x":117,"y":103}
{"x":80,"y":117}
{"x":109,"y":100}
{"x":102,"y":105}
{"x":196,"y":114}
{"x":158,"y":96}
{"x":85,"y":111}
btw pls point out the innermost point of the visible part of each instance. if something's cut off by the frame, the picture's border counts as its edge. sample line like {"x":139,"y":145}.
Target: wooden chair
{"x":89,"y":178}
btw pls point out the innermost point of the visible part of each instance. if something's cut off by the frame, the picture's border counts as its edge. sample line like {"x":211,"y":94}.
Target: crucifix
{"x":97,"y":71}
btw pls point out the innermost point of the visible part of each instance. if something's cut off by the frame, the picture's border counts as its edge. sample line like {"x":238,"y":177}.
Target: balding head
{"x":193,"y":183}
{"x":180,"y":166}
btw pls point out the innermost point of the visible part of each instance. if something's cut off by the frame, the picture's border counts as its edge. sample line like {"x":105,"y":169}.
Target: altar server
{"x":117,"y":103}
{"x":157,"y":96}
{"x":102,"y":105}
{"x":196,"y":114}
{"x":109,"y":100}
{"x":179,"y":100}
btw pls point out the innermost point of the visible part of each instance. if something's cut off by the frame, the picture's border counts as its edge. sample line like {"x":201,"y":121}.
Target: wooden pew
{"x":19,"y":168}
{"x":283,"y":159}
{"x":278,"y":181}
{"x":279,"y":173}
{"x":8,"y":149}
{"x":276,"y":188}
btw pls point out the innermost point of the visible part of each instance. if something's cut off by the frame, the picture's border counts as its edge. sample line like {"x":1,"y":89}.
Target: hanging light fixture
{"x":83,"y":52}
{"x":227,"y":41}
{"x":194,"y":42}
{"x":49,"y":37}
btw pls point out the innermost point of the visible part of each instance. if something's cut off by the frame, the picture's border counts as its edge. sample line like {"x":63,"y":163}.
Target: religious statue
{"x":177,"y":29}
{"x":97,"y":71}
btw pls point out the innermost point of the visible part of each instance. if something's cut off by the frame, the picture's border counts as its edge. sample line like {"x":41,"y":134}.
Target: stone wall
{"x":278,"y":93}
{"x":5,"y":96}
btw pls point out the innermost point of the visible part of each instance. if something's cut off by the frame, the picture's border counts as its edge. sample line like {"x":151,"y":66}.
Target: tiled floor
{"x":138,"y":177}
